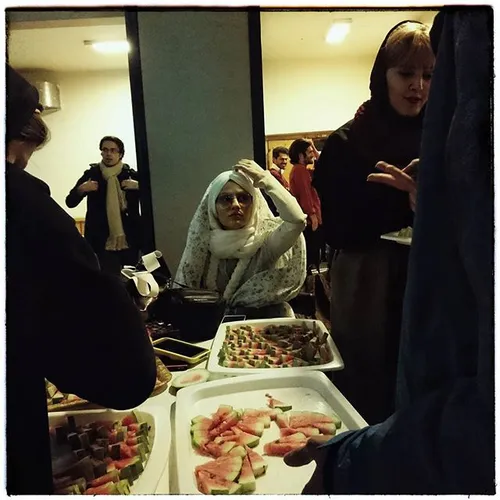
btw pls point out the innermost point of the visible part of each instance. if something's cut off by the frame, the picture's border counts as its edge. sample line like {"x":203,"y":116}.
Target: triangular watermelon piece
{"x":277,"y":449}
{"x":308,"y":418}
{"x":328,"y":429}
{"x":293,"y":438}
{"x":238,"y":451}
{"x":229,"y":421}
{"x":211,"y":484}
{"x":227,"y":467}
{"x":245,"y":438}
{"x":307,"y":431}
{"x":258,"y":464}
{"x":251,"y":426}
{"x":276,"y":403}
{"x":270,"y":412}
{"x":247,"y":477}
{"x":218,"y":450}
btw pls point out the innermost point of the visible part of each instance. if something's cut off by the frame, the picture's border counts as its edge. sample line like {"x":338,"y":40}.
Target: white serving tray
{"x":308,"y":391}
{"x":159,"y":421}
{"x":213,"y":361}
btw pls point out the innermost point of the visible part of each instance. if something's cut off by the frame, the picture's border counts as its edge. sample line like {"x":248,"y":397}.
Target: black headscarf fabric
{"x":384,"y":134}
{"x":22,"y":101}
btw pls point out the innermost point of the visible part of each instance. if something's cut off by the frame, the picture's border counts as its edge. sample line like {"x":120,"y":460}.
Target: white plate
{"x":213,"y":361}
{"x":308,"y":391}
{"x":159,"y":421}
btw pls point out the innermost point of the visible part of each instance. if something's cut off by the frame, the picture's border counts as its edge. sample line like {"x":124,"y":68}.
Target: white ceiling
{"x":285,"y":35}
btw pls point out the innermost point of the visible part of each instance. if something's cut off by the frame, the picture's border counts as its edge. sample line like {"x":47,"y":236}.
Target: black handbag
{"x":195,"y":313}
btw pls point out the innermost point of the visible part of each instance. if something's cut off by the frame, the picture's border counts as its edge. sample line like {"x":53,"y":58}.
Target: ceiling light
{"x":338,"y":31}
{"x":110,"y":47}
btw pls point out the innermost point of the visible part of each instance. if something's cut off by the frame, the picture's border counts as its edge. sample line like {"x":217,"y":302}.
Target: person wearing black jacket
{"x":368,"y":275}
{"x":113,"y":221}
{"x":66,"y":320}
{"x":442,"y":438}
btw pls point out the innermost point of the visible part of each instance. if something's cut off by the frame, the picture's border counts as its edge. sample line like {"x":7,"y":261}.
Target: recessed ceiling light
{"x":338,"y":31}
{"x":109,"y":47}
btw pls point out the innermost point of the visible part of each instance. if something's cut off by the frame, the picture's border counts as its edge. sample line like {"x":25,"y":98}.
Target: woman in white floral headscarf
{"x":237,"y":246}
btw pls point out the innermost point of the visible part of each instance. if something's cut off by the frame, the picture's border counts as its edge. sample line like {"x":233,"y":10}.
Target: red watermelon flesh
{"x":105,"y":489}
{"x":262,"y":420}
{"x":229,"y":421}
{"x":239,"y":451}
{"x":255,"y":428}
{"x":129,"y":419}
{"x":329,"y":429}
{"x":226,"y":467}
{"x":227,"y":433}
{"x":218,"y":450}
{"x":125,"y":451}
{"x":307,"y":431}
{"x":124,"y":462}
{"x":271,"y":413}
{"x":210,"y":484}
{"x":258,"y":464}
{"x":292,"y":438}
{"x":308,"y":418}
{"x":113,"y":476}
{"x":276,"y":449}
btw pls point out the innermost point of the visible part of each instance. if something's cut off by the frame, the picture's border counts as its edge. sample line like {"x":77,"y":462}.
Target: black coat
{"x":96,"y":220}
{"x":67,"y":322}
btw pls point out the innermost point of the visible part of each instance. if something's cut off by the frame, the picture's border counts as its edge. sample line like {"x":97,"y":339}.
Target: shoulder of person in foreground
{"x":85,"y":314}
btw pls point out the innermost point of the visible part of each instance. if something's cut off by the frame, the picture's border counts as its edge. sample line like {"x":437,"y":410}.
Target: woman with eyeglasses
{"x":237,"y":246}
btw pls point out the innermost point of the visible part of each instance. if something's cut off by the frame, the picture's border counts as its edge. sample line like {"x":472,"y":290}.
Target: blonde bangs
{"x":409,"y":45}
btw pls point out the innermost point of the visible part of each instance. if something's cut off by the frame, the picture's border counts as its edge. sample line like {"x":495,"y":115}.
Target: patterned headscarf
{"x":206,"y":242}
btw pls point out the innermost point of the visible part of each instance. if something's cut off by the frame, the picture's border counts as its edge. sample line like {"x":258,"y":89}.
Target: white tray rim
{"x":213,"y":360}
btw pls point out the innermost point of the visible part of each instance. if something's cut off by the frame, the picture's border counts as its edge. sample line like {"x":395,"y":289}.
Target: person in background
{"x":113,"y":221}
{"x":277,"y":169}
{"x":442,"y":438}
{"x":368,"y":274}
{"x":236,"y":246}
{"x":62,"y":312}
{"x":302,"y":155}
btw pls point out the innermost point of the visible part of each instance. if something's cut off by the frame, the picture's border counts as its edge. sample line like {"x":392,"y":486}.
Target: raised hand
{"x":252,"y":170}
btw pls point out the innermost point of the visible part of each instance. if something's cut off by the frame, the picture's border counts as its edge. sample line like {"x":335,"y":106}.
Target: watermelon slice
{"x":238,"y":451}
{"x":292,"y":438}
{"x":258,"y":464}
{"x":227,"y":467}
{"x":245,"y":438}
{"x":329,"y":429}
{"x":276,"y":403}
{"x":277,"y":449}
{"x":247,"y":477}
{"x":254,"y":427}
{"x":129,"y":419}
{"x":200,"y":438}
{"x":229,"y":421}
{"x":105,"y":489}
{"x":262,"y":412}
{"x":190,"y":377}
{"x":282,"y":421}
{"x":307,"y":431}
{"x":218,"y":450}
{"x":308,"y":418}
{"x":113,"y":476}
{"x":210,"y":484}
{"x":206,"y":423}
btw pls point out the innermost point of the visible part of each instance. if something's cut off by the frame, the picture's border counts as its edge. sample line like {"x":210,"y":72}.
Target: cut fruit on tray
{"x":276,"y":403}
{"x":191,"y":377}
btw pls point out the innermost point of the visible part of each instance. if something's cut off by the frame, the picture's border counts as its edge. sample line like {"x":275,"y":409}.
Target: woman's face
{"x":408,"y":87}
{"x":233,"y":206}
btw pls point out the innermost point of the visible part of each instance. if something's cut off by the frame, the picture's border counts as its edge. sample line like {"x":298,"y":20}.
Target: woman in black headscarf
{"x":368,"y":275}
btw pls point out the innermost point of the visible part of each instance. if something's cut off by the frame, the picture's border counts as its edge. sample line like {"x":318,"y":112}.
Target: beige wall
{"x":313,"y":95}
{"x":92,"y":105}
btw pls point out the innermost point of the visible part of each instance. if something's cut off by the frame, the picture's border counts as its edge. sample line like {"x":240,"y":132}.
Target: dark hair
{"x":299,"y":146}
{"x":34,"y":132}
{"x":279,"y":150}
{"x":118,"y":142}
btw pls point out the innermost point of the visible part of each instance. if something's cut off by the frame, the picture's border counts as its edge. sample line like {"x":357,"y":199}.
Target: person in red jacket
{"x":303,"y":153}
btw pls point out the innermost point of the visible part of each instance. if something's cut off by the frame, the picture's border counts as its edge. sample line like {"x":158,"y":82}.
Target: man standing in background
{"x":277,"y":168}
{"x":302,"y":153}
